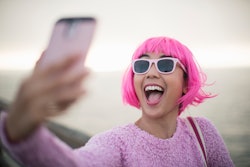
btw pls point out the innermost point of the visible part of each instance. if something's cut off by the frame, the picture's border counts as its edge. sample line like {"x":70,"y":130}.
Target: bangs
{"x":167,"y":46}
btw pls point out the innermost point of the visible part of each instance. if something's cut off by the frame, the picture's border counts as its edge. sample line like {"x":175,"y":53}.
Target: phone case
{"x":70,"y":36}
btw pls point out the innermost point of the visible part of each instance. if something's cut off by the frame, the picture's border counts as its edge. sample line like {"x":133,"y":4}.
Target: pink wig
{"x":195,"y":78}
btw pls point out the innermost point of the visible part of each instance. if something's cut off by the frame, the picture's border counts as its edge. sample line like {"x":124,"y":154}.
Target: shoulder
{"x":209,"y":131}
{"x":207,"y":126}
{"x":212,"y":137}
{"x":204,"y":123}
{"x":218,"y":154}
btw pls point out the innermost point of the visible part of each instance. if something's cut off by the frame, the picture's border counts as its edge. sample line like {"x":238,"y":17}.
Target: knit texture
{"x":125,"y":146}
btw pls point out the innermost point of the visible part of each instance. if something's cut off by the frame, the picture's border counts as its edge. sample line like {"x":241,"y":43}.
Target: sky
{"x":216,"y":31}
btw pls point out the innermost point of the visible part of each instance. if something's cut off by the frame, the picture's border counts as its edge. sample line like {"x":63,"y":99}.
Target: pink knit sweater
{"x":126,"y":146}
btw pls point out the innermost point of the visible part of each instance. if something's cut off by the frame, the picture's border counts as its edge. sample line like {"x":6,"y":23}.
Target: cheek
{"x":137,"y":85}
{"x":176,"y":86}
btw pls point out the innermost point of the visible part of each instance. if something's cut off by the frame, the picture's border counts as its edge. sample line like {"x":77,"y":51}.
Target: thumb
{"x":39,"y":60}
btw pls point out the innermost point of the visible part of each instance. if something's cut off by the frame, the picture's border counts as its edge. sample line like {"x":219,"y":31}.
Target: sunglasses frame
{"x":155,"y":61}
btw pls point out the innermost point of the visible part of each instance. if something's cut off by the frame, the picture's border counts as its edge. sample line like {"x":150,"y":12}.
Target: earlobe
{"x":185,"y":87}
{"x":185,"y":90}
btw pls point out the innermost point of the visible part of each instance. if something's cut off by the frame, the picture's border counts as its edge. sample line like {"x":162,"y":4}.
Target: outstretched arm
{"x":43,"y":149}
{"x":45,"y":93}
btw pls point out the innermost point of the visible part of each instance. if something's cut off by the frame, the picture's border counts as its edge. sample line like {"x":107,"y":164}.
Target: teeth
{"x":158,"y":88}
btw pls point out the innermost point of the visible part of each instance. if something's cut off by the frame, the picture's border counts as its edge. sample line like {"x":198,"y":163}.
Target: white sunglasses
{"x":163,"y":65}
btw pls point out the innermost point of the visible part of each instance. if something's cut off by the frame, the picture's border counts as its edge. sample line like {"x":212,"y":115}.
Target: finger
{"x":39,"y":60}
{"x":69,"y":78}
{"x":56,"y":109}
{"x":65,"y":97}
{"x":69,"y":88}
{"x":70,"y":94}
{"x":31,"y":89}
{"x":37,"y":90}
{"x":61,"y":65}
{"x":35,"y":87}
{"x":53,"y":70}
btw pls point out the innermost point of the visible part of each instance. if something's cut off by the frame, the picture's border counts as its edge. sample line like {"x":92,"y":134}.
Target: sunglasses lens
{"x":141,"y":66}
{"x":165,"y":65}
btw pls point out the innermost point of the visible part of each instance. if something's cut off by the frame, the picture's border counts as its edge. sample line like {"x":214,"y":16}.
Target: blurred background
{"x":216,"y":31}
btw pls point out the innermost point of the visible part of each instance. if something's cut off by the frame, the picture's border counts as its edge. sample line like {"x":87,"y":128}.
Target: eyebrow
{"x":143,"y":55}
{"x":162,"y":56}
{"x":147,"y":56}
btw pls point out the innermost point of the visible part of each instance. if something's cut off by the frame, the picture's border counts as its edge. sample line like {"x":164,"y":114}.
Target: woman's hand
{"x":45,"y":93}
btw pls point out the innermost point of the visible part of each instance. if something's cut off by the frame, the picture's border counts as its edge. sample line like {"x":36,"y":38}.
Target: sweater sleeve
{"x":43,"y":149}
{"x":217,"y":152}
{"x":104,"y":149}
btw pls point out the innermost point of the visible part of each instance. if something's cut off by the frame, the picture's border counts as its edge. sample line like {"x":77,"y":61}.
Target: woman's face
{"x":159,"y":93}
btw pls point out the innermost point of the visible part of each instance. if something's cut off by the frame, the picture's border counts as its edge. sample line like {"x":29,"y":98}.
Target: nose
{"x":153,"y":72}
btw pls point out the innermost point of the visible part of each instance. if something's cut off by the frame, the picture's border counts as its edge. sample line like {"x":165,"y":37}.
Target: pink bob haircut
{"x":194,"y":77}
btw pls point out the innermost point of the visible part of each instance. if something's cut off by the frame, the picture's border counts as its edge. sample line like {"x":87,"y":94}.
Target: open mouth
{"x":153,"y":94}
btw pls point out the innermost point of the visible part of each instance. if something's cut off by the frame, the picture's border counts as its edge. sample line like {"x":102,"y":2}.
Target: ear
{"x":185,"y":86}
{"x":185,"y":89}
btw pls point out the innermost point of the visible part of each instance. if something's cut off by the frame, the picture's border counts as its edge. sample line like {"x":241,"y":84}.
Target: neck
{"x":163,"y":128}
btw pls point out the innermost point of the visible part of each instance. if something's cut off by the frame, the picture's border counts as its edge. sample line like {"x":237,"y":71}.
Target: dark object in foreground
{"x":71,"y":137}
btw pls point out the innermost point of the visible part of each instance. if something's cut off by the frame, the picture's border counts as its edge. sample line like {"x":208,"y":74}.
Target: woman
{"x":162,"y":80}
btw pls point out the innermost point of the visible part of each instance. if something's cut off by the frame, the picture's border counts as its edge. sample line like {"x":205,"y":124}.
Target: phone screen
{"x":70,"y":36}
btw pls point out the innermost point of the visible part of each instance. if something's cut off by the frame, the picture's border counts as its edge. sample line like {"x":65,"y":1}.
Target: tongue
{"x":154,"y":97}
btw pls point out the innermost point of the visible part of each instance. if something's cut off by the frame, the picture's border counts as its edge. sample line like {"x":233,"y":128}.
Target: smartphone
{"x":70,"y":36}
